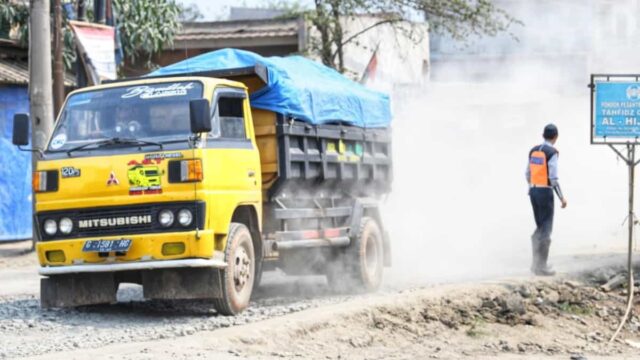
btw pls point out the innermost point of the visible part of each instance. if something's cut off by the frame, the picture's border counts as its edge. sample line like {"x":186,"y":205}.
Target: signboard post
{"x":615,"y":121}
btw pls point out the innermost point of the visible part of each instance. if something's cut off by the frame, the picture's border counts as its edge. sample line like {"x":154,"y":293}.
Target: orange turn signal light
{"x":39,"y":181}
{"x":191,"y":170}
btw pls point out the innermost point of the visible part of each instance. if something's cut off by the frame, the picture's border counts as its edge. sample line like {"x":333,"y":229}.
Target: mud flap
{"x":186,"y":283}
{"x":77,"y":289}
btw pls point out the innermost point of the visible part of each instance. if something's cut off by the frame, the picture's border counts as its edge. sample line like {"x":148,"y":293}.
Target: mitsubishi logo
{"x":113,"y":180}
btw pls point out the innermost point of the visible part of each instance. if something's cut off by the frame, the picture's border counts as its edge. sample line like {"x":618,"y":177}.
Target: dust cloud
{"x":459,"y":207}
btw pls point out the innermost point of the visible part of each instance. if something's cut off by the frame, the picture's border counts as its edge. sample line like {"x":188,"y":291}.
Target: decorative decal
{"x":148,"y":92}
{"x":113,"y":180}
{"x":144,"y":179}
{"x":70,"y":171}
{"x":155,"y":161}
{"x":58,"y":141}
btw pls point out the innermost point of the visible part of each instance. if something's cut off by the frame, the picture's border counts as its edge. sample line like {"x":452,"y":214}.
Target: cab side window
{"x":230,"y":117}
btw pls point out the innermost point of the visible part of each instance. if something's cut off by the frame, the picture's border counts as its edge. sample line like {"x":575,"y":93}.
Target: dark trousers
{"x":542,"y":204}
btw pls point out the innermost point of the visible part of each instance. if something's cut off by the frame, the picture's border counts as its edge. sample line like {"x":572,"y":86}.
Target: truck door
{"x":236,"y":167}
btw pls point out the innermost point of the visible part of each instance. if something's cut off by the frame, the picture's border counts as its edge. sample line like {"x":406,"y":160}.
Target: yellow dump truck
{"x":179,"y":184}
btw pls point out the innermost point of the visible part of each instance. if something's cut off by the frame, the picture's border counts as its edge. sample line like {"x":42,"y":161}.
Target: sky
{"x":219,"y":9}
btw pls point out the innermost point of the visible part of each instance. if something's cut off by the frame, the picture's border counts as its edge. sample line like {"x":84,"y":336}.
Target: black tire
{"x":361,"y":265}
{"x":239,"y":276}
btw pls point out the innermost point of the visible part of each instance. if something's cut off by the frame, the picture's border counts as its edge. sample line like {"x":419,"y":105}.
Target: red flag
{"x":372,"y":67}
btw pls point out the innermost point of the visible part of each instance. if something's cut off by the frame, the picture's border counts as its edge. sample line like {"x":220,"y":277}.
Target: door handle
{"x":251,"y":173}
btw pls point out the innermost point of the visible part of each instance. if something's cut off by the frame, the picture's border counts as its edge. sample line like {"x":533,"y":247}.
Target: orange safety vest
{"x":538,"y":169}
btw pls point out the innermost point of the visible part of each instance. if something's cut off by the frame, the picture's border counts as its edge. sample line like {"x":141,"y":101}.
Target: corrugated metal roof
{"x":13,"y":73}
{"x":238,"y":29}
{"x":17,"y":73}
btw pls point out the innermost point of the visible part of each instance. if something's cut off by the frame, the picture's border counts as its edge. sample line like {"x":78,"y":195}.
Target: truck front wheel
{"x":361,"y":264}
{"x":238,"y":278}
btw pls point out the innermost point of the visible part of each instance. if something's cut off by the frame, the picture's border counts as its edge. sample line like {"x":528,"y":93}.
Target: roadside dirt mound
{"x":13,"y":255}
{"x":556,"y":317}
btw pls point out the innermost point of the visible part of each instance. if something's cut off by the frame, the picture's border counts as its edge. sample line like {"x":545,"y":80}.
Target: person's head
{"x":550,"y":133}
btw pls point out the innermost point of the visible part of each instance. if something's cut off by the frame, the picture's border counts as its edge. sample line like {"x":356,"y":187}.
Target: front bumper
{"x":145,"y":248}
{"x":142,"y":265}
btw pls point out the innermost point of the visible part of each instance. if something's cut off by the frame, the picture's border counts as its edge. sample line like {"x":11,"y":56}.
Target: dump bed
{"x":301,"y":159}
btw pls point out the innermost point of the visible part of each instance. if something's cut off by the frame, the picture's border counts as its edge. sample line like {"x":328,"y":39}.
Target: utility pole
{"x":40,"y":86}
{"x":58,"y":65}
{"x":41,"y":104}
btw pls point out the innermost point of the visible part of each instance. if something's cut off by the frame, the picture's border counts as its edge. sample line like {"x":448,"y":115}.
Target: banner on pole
{"x":97,"y":50}
{"x":615,"y":109}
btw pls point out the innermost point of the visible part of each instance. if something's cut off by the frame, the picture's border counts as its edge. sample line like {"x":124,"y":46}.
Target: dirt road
{"x":516,"y":318}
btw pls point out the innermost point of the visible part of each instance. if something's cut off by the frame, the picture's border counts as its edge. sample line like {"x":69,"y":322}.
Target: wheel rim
{"x":371,"y":258}
{"x":241,"y":269}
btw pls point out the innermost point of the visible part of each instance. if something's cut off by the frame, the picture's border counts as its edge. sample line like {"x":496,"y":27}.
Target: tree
{"x":145,"y":26}
{"x":458,"y":18}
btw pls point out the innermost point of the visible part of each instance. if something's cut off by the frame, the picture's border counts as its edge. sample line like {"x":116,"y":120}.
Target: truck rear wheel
{"x":238,"y":278}
{"x":361,"y":265}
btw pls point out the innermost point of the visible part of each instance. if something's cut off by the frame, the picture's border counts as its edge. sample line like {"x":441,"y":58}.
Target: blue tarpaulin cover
{"x":15,"y":169}
{"x":298,"y":87}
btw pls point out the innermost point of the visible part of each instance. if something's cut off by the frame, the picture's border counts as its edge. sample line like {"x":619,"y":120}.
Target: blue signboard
{"x":617,"y":109}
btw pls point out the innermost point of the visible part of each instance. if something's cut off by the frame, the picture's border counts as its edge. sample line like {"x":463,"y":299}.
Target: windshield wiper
{"x":114,"y":141}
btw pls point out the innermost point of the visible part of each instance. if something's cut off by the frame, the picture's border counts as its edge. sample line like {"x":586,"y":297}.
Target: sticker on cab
{"x":144,"y":179}
{"x":153,"y":92}
{"x":70,"y":171}
{"x":58,"y":141}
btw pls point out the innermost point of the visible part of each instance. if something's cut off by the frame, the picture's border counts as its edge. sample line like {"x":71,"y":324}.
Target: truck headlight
{"x":185,"y":217}
{"x":165,"y":218}
{"x":65,"y":225}
{"x":50,"y":227}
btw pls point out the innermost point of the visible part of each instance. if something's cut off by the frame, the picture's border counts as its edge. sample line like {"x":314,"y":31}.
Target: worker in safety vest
{"x":542,"y":176}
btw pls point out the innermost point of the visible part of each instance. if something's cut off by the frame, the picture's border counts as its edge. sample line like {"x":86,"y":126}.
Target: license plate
{"x":106,"y":245}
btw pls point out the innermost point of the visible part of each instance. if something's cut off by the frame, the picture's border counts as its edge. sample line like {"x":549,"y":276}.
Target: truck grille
{"x":121,"y":220}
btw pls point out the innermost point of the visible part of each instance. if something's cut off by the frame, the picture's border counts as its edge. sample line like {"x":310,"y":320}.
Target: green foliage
{"x":14,"y":15}
{"x":146,"y":25}
{"x":575,"y":309}
{"x":68,"y":49}
{"x":476,"y":328}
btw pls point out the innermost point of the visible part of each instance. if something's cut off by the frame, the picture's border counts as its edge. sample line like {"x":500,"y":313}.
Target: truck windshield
{"x":157,"y":112}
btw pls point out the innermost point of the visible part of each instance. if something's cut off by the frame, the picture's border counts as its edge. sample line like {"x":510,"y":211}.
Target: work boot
{"x":543,"y":269}
{"x":535,"y":251}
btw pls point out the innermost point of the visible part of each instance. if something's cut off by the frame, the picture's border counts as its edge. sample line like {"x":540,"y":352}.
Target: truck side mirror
{"x":199,"y":116}
{"x":21,"y":129}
